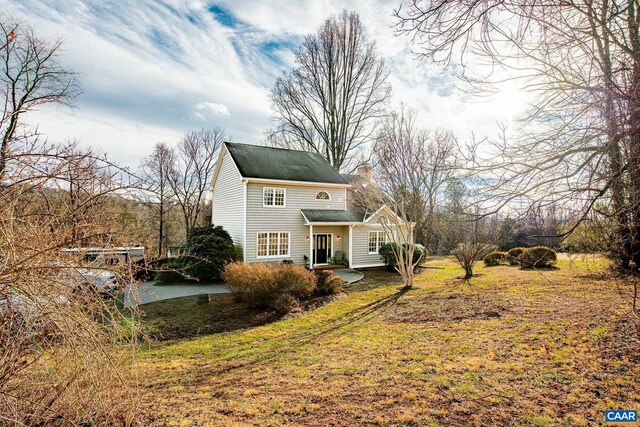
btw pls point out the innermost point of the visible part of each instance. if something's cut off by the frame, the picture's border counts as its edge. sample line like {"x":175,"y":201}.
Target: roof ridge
{"x":275,"y":148}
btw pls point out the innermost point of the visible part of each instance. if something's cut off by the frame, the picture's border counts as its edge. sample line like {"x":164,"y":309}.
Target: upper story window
{"x":274,"y":196}
{"x":323,"y":195}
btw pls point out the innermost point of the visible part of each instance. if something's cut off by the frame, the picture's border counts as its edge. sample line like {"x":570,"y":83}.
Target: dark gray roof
{"x":351,"y":177}
{"x":330,"y":215}
{"x":256,"y":161}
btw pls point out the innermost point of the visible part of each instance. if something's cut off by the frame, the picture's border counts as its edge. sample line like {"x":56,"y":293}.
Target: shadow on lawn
{"x":294,"y":342}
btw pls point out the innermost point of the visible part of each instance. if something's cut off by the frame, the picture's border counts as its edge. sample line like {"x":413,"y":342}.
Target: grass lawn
{"x":510,"y":347}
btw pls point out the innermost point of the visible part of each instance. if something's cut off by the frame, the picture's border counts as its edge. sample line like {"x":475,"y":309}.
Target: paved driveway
{"x":147,"y":292}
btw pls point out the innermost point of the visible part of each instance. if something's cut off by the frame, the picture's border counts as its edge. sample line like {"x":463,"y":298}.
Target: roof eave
{"x":333,"y":223}
{"x":300,"y":183}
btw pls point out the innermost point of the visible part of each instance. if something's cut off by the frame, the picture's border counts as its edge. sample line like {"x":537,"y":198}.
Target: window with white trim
{"x":377,"y":239}
{"x":273,"y":244}
{"x":272,"y":196}
{"x":323,"y":195}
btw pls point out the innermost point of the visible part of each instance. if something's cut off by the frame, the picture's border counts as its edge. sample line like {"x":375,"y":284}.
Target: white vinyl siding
{"x":228,"y":199}
{"x":274,"y":197}
{"x":288,"y":219}
{"x":273,"y":244}
{"x":360,"y":250}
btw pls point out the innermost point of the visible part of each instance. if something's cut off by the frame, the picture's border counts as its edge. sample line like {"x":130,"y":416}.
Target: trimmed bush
{"x":284,"y":303}
{"x":295,"y":280}
{"x":537,"y":257}
{"x":328,"y":283}
{"x":513,"y":254}
{"x":494,"y":258}
{"x":261,"y":285}
{"x":238,"y":252}
{"x":207,"y":251}
{"x":388,"y":254}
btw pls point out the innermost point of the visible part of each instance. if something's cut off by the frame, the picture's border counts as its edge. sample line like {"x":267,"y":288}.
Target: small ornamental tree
{"x":207,"y":251}
{"x":467,"y":254}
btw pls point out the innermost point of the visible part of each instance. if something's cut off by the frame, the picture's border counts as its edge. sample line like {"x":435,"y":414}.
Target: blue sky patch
{"x":223,"y":16}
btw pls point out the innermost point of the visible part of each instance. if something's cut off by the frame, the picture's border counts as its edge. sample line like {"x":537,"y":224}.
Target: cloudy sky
{"x":151,"y":70}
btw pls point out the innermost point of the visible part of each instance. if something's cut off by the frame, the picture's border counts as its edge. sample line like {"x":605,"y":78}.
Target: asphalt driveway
{"x":147,"y":292}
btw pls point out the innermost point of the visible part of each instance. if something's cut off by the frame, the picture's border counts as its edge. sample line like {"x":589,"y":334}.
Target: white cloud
{"x":152,"y":70}
{"x":205,"y":109}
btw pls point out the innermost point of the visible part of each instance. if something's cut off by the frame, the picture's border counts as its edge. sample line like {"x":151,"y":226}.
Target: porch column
{"x":310,"y":247}
{"x":350,"y":245}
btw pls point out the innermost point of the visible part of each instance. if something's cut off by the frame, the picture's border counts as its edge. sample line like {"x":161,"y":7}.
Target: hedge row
{"x":536,"y":257}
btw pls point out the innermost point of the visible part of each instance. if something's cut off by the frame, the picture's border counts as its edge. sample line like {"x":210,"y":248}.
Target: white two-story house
{"x":281,"y":204}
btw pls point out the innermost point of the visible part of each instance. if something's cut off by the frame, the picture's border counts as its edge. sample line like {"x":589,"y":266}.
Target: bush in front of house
{"x":388,"y":254}
{"x":171,"y":271}
{"x":263,"y":285}
{"x":513,"y":254}
{"x":295,"y":280}
{"x":537,"y":257}
{"x":239,"y":251}
{"x":328,"y":283}
{"x":207,"y":251}
{"x":494,"y":258}
{"x":284,"y":303}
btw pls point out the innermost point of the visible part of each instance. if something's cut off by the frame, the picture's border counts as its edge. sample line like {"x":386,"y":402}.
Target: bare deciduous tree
{"x":30,"y":75}
{"x":58,"y":362}
{"x":467,"y":254}
{"x":578,"y":146}
{"x":411,"y":166}
{"x":195,"y":160}
{"x":156,"y":170}
{"x":330,"y":102}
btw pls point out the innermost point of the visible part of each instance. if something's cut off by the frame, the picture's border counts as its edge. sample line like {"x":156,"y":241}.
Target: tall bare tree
{"x":30,"y":75}
{"x":411,"y":166}
{"x":330,"y":102}
{"x":578,"y":148}
{"x":156,"y":170}
{"x":195,"y":160}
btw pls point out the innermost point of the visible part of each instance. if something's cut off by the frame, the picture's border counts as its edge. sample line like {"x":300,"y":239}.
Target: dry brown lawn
{"x":510,"y":347}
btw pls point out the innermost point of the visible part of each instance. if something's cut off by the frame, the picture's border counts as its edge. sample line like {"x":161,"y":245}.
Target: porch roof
{"x":332,"y":216}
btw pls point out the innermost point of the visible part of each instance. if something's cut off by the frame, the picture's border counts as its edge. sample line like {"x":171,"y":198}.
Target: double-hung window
{"x":377,"y":239}
{"x":273,"y":244}
{"x":272,"y":196}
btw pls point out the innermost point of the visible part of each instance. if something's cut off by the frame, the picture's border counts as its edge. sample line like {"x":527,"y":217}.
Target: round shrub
{"x":328,"y":283}
{"x":295,"y":280}
{"x":537,"y":257}
{"x":261,"y":285}
{"x":253,"y":284}
{"x":494,"y":258}
{"x":388,"y":254}
{"x":284,"y":303}
{"x":513,"y":254}
{"x":208,"y":250}
{"x":419,"y":253}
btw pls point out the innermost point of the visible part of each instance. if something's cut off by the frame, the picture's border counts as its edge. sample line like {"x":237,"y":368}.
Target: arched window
{"x":323,"y":195}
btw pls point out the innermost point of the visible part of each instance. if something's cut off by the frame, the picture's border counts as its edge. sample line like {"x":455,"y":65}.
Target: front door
{"x":322,"y":249}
